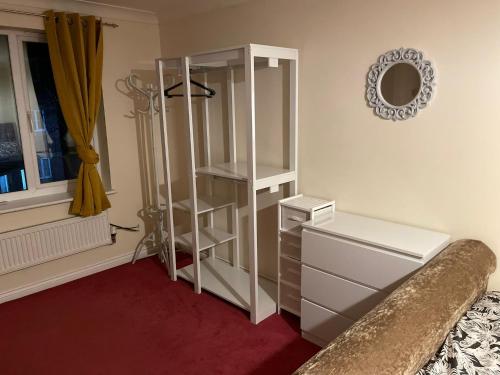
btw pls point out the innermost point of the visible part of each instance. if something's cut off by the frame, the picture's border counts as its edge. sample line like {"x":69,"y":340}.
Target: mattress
{"x":473,"y":346}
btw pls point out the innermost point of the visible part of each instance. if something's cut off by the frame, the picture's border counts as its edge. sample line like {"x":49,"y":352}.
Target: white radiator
{"x":41,"y":243}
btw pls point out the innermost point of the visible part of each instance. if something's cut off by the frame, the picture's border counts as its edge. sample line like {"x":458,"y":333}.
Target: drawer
{"x":292,"y":238}
{"x":342,"y":296}
{"x":322,"y":323}
{"x":292,"y":219}
{"x":367,"y":265}
{"x":290,"y":270}
{"x":290,"y":299}
{"x":291,"y":250}
{"x":324,"y":213}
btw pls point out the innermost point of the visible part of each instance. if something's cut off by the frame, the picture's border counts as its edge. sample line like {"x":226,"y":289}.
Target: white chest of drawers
{"x":350,"y":263}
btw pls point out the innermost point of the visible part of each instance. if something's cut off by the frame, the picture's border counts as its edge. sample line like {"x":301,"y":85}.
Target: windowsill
{"x":41,"y":201}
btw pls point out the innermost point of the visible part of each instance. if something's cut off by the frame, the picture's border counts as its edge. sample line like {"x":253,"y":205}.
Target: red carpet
{"x":133,"y":320}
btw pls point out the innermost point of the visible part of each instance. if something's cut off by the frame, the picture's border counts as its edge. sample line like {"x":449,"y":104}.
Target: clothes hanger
{"x":210,"y":92}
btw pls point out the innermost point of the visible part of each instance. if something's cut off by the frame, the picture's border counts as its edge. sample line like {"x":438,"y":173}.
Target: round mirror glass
{"x":400,"y":84}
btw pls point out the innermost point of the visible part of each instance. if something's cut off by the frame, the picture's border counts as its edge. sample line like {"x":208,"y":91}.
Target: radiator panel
{"x":42,"y":243}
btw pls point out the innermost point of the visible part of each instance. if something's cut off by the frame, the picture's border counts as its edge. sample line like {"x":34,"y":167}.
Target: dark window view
{"x":55,"y":150}
{"x":12,"y":173}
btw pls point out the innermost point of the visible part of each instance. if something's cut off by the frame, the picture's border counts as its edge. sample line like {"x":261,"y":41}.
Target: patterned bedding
{"x":9,"y":151}
{"x":473,"y":346}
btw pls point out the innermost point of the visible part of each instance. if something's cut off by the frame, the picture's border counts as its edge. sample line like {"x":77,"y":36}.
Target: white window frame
{"x":18,"y":67}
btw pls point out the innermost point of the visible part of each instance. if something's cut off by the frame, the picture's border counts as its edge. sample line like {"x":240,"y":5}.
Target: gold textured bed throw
{"x":403,"y":332}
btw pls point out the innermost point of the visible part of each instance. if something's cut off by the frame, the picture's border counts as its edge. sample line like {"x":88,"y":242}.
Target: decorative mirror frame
{"x":374,"y":96}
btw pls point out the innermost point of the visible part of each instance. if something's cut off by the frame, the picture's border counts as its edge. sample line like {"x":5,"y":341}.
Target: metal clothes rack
{"x":151,"y":109}
{"x":229,"y":281}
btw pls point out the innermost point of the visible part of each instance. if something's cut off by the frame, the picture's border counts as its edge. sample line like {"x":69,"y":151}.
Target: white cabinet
{"x":350,"y":263}
{"x":292,"y":213}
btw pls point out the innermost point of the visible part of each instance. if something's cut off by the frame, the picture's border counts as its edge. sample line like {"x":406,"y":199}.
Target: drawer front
{"x":361,"y":263}
{"x":350,"y":299}
{"x":290,"y":250}
{"x":290,"y":299}
{"x":290,"y":271}
{"x":325,"y":212}
{"x":321,"y":322}
{"x":292,"y":239}
{"x":292,"y":219}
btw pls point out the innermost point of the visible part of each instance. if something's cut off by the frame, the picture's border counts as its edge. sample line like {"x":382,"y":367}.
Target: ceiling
{"x":173,"y":8}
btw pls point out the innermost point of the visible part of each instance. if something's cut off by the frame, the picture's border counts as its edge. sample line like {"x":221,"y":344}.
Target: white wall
{"x":132,"y":46}
{"x":439,"y":170}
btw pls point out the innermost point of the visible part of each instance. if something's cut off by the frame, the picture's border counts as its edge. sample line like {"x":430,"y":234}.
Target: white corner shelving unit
{"x":228,"y":281}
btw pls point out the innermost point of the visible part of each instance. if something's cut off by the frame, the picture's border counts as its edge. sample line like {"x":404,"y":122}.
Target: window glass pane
{"x":12,"y":174}
{"x":55,"y":149}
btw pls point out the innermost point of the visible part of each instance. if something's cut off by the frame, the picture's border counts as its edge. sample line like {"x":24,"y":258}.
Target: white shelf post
{"x":232,"y":159}
{"x":166,"y":172}
{"x":294,"y":123}
{"x":252,"y":193}
{"x":208,"y":156}
{"x":188,"y":110}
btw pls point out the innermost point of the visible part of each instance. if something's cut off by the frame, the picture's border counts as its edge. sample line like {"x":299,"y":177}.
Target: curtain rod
{"x":15,"y":11}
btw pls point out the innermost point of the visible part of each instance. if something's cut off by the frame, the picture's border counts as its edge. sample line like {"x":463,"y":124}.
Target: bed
{"x":440,"y":321}
{"x":473,"y":345}
{"x":11,"y":156}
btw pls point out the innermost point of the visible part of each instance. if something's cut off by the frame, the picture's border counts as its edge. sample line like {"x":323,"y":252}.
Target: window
{"x":55,"y":150}
{"x":12,"y":168}
{"x":37,"y":154}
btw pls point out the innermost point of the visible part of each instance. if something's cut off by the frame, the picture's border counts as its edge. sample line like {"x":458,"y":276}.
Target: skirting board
{"x":315,"y":340}
{"x":69,"y":276}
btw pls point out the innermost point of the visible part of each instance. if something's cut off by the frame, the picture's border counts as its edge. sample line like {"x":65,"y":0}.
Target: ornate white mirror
{"x":400,"y":84}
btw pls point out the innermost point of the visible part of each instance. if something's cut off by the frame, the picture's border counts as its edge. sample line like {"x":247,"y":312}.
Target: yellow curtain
{"x":76,"y":55}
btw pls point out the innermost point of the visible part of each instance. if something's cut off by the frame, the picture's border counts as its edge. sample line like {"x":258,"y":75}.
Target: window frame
{"x":35,"y":188}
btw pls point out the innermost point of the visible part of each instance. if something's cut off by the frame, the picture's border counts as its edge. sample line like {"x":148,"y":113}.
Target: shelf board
{"x":208,"y":237}
{"x":205,"y":204}
{"x":233,"y":171}
{"x":266,"y":175}
{"x":304,"y":203}
{"x":233,"y":285}
{"x":419,"y":243}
